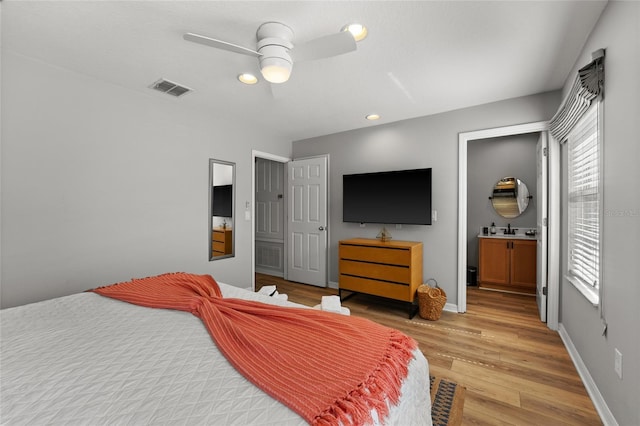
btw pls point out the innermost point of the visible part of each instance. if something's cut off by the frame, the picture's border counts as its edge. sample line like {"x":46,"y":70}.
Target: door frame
{"x":553,"y":218}
{"x":267,"y":156}
{"x":542,"y":206}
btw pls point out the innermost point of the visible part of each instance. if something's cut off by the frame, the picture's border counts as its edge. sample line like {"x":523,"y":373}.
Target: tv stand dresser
{"x":391,"y":269}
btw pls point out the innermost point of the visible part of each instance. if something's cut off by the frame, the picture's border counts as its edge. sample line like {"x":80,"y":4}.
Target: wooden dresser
{"x":391,"y":269}
{"x":221,"y":242}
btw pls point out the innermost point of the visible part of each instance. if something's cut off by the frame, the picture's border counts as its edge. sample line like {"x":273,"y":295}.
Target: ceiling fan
{"x":276,"y":52}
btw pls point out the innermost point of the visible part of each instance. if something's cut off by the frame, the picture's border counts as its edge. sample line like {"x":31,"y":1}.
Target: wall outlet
{"x":362,"y":225}
{"x":398,"y":226}
{"x":618,"y":363}
{"x":434,"y":215}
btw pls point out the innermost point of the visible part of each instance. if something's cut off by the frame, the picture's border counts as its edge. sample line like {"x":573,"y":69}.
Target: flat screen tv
{"x":395,"y":197}
{"x":222,"y":201}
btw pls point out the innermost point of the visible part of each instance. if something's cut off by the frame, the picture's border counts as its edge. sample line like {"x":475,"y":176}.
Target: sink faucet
{"x":510,"y":230}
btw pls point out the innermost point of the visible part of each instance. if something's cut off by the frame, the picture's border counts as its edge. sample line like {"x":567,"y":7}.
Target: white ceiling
{"x":420,"y":58}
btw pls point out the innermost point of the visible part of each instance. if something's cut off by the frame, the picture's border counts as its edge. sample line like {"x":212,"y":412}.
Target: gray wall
{"x":619,"y":32}
{"x":101,"y":184}
{"x":489,"y":160}
{"x":422,"y":142}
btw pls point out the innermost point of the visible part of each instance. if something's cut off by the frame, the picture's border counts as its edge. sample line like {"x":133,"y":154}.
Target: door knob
{"x":322,"y":228}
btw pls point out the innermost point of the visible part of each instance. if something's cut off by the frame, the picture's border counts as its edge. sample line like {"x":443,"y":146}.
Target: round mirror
{"x":510,"y":197}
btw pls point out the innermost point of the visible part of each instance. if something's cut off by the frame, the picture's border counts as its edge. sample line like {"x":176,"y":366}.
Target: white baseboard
{"x":334,"y":285}
{"x":268,"y":271}
{"x":450,"y":307}
{"x":596,"y":397}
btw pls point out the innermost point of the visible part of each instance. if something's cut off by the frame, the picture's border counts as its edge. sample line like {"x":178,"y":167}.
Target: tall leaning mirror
{"x":222,"y":195}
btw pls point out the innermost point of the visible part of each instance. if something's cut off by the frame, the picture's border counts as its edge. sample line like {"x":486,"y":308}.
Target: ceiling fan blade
{"x":219,"y":44}
{"x":324,"y":47}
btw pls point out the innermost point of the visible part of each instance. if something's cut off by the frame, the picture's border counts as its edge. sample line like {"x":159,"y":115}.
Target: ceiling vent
{"x":169,"y":87}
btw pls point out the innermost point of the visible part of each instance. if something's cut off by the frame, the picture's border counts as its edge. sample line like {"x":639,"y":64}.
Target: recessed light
{"x":372,"y":117}
{"x":358,"y":31}
{"x":247,"y":78}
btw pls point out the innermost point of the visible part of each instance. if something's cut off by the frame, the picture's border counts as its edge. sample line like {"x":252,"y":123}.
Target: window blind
{"x":587,"y":86}
{"x":584,"y":200}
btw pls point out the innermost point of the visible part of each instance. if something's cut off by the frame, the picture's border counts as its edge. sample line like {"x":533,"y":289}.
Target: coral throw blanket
{"x":328,"y":368}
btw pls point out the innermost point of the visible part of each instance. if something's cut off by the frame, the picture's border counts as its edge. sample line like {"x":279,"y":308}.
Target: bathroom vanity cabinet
{"x":507,"y":263}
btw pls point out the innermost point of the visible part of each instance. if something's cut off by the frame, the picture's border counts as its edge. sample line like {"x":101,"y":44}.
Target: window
{"x":584,"y":204}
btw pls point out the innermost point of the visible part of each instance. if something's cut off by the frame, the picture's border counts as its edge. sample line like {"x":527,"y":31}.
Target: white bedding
{"x":87,"y":359}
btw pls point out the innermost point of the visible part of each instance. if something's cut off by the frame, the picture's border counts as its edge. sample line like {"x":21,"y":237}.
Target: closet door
{"x":269,"y":216}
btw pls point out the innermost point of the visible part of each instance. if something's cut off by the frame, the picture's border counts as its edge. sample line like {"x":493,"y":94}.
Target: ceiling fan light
{"x":358,"y":31}
{"x":275,"y":70}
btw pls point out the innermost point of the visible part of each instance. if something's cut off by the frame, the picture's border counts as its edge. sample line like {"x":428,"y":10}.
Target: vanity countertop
{"x":508,"y":237}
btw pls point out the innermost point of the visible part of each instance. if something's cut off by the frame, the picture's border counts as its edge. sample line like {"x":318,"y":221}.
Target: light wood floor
{"x":516,"y":370}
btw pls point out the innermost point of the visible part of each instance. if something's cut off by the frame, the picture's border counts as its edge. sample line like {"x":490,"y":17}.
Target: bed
{"x":89,"y":359}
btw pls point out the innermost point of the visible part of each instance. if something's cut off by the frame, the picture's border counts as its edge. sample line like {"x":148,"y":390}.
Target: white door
{"x":541,"y":235}
{"x":307,"y":221}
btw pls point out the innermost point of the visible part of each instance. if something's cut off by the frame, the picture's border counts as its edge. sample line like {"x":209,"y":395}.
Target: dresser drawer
{"x":382,"y":272}
{"x":388,"y":256}
{"x":377,"y":288}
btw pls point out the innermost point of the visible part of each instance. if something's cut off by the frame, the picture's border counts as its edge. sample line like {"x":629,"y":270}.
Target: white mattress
{"x":87,"y":359}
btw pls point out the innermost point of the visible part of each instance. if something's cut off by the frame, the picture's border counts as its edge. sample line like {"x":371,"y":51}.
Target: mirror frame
{"x":232,"y":225}
{"x":519,"y":184}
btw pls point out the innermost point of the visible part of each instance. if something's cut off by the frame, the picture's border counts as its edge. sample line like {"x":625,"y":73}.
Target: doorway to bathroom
{"x":485,"y":158}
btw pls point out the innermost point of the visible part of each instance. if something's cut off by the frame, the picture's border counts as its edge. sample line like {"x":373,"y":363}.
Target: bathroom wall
{"x":489,"y":160}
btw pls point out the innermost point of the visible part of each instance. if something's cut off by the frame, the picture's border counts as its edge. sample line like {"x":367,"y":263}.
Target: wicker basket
{"x":431,"y":301}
